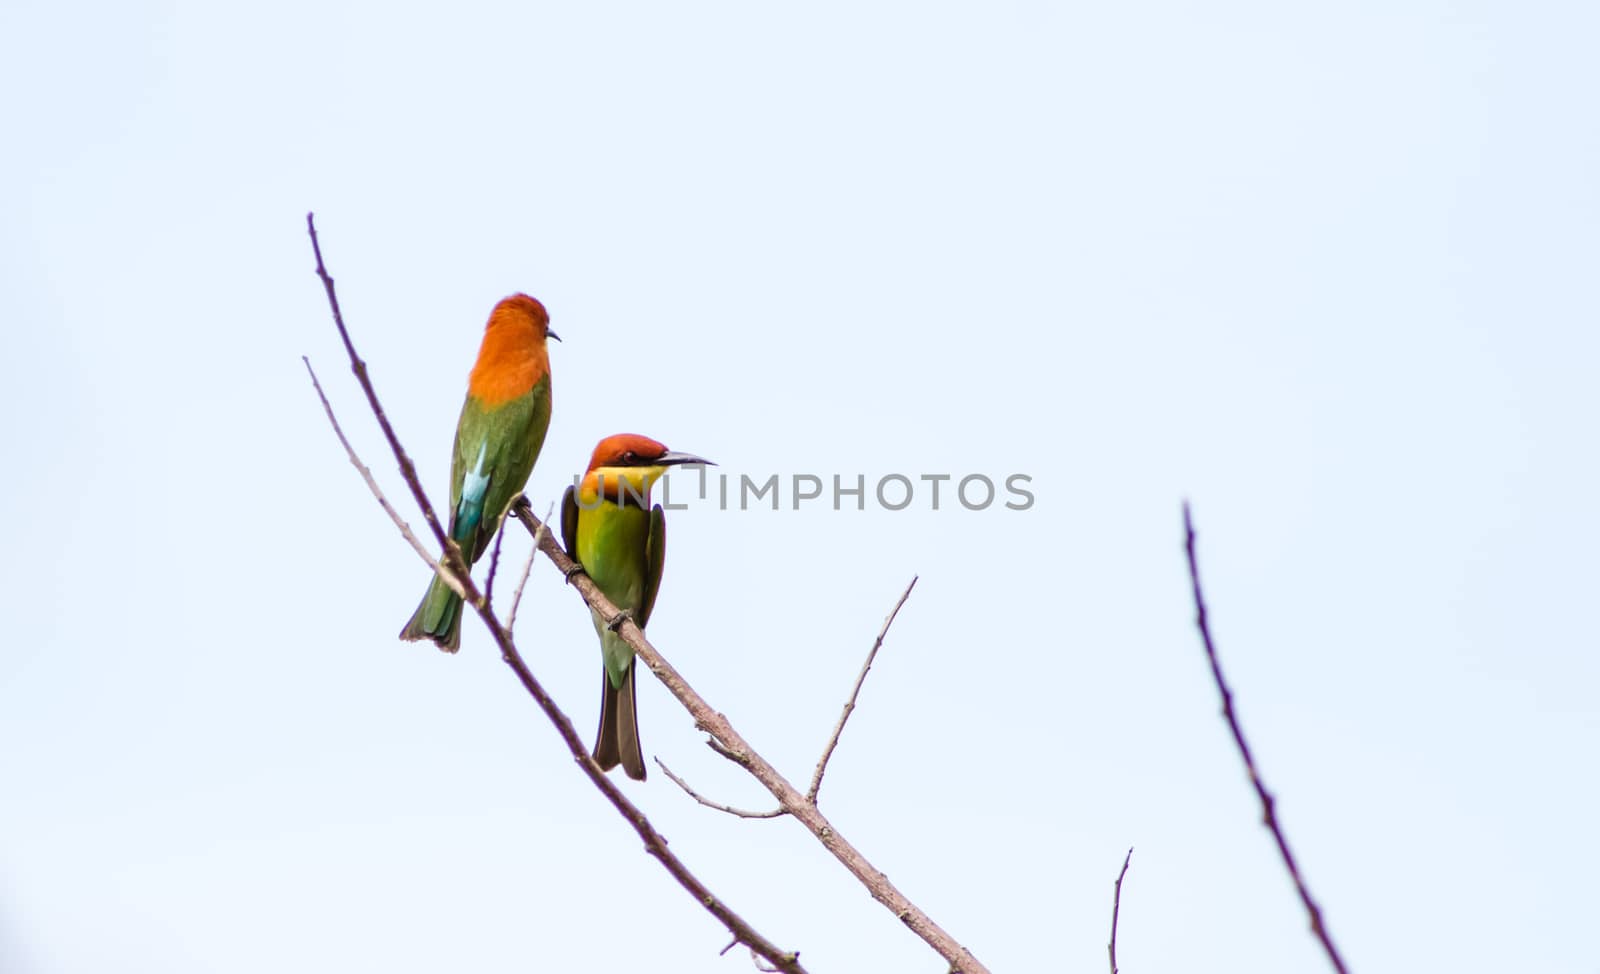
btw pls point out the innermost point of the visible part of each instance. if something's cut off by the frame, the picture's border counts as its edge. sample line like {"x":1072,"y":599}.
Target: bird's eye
{"x":629,"y":457}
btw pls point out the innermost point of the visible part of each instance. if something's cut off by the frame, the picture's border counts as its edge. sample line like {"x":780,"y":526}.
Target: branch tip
{"x":729,"y":809}
{"x":1116,"y":909}
{"x":850,"y":703}
{"x":1269,"y":815}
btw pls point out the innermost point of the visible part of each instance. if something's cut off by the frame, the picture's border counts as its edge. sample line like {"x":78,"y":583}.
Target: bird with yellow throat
{"x":611,"y":529}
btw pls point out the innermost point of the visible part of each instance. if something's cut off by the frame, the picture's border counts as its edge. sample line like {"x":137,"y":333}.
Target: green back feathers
{"x":495,"y":450}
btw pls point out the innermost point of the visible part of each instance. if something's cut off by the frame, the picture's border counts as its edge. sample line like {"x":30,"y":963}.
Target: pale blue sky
{"x":1328,"y":271}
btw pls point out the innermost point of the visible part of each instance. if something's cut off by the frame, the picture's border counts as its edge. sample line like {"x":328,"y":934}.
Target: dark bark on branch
{"x":494,"y":567}
{"x":1116,"y":911}
{"x":1269,"y":814}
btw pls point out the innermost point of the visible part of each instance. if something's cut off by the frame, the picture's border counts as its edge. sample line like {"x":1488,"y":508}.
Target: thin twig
{"x":1116,"y":908}
{"x":1269,"y":815}
{"x":453,"y":558}
{"x":654,"y":843}
{"x":372,"y":484}
{"x":850,"y":705}
{"x":741,"y":760}
{"x":494,"y":564}
{"x":738,"y":812}
{"x":527,"y":568}
{"x":728,"y":742}
{"x":832,"y":741}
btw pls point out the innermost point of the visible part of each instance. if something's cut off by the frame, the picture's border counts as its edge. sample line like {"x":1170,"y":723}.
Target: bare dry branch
{"x":1116,"y":908}
{"x":654,"y":843}
{"x":728,"y":742}
{"x":527,"y":568}
{"x":850,"y":704}
{"x":833,"y":739}
{"x":738,"y":812}
{"x":721,"y":749}
{"x":1269,"y":815}
{"x":452,"y":559}
{"x":372,"y":485}
{"x":494,"y":564}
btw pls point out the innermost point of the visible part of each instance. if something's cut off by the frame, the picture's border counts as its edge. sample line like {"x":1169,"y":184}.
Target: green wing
{"x":655,"y":554}
{"x":569,"y":522}
{"x":495,"y":451}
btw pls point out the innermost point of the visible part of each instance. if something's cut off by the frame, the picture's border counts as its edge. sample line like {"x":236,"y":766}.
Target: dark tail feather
{"x":619,"y":728}
{"x":628,"y":728}
{"x":438,"y":618}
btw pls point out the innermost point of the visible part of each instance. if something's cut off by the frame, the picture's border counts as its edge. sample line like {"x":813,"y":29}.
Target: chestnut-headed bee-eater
{"x":498,"y":438}
{"x":620,"y":540}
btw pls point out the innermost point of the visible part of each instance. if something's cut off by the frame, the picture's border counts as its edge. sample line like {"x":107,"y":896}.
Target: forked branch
{"x":827,"y":751}
{"x":730,"y":744}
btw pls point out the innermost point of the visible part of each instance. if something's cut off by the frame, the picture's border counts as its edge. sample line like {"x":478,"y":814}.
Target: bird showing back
{"x":498,"y":438}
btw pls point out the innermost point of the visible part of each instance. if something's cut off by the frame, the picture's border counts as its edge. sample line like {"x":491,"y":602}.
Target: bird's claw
{"x":616,"y":621}
{"x":573,"y":571}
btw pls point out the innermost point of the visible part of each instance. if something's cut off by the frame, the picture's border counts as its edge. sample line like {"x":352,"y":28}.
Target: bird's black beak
{"x":550,"y":334}
{"x":678,"y":459}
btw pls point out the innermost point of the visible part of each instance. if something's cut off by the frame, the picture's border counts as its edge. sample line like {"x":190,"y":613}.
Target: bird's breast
{"x":612,"y":542}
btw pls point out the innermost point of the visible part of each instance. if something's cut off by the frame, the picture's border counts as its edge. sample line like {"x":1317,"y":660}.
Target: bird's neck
{"x":511,"y":362}
{"x":626,"y":486}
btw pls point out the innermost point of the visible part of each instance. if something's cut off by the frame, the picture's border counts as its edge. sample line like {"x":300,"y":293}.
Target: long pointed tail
{"x":438,"y":618}
{"x":619,"y":727}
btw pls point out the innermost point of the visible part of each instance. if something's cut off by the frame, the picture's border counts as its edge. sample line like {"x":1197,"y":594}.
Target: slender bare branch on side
{"x":654,"y":843}
{"x":718,"y":747}
{"x":737,"y":812}
{"x":827,"y":752}
{"x":850,"y":704}
{"x":372,"y":485}
{"x":756,"y":958}
{"x":1116,"y":909}
{"x":494,"y":564}
{"x":728,"y":742}
{"x":1269,"y":814}
{"x":527,"y":568}
{"x":452,"y":559}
